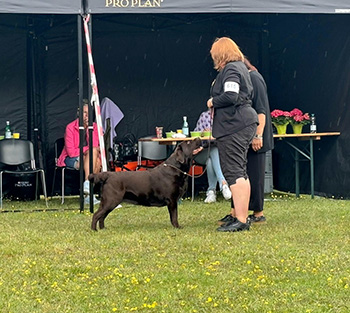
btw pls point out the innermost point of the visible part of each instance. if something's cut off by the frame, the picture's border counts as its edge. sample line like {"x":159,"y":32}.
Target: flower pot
{"x":297,"y":128}
{"x":281,"y":129}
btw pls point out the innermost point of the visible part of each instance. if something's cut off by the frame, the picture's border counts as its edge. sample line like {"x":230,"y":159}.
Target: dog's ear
{"x":180,"y":155}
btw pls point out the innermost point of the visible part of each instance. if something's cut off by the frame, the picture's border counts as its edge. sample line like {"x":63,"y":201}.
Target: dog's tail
{"x":98,"y":177}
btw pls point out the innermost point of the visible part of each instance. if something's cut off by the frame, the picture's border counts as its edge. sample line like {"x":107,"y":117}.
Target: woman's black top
{"x":261,"y":106}
{"x":233,"y":110}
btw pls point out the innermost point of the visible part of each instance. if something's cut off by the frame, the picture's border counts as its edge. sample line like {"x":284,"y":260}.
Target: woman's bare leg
{"x":96,"y":160}
{"x":96,"y":165}
{"x":241,"y":195}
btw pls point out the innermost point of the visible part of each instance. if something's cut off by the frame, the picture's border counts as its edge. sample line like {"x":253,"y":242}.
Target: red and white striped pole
{"x":95,"y":97}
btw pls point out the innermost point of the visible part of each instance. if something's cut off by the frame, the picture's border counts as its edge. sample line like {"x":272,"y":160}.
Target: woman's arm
{"x":229,"y":89}
{"x":70,"y":141}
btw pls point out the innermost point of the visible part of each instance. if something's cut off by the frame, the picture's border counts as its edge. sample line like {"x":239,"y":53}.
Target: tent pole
{"x":81,"y":122}
{"x":33,"y":108}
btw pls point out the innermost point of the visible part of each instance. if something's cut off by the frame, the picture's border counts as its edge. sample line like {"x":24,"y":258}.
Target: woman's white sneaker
{"x":87,"y":200}
{"x":211,"y":197}
{"x":226,"y":192}
{"x":86,"y":187}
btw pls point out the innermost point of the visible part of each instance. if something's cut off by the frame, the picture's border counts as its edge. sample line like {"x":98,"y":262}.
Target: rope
{"x":200,"y":175}
{"x":181,"y":171}
{"x":95,"y":97}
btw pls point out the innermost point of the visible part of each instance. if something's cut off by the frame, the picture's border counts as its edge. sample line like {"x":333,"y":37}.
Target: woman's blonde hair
{"x":223,"y":51}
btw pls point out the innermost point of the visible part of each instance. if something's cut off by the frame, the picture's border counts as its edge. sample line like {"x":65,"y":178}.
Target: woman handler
{"x":234,"y":124}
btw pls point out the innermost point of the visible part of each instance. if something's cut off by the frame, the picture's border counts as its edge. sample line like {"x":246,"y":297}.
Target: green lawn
{"x":299,"y":261}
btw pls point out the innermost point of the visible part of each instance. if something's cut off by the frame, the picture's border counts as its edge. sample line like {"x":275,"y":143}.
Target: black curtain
{"x":309,"y":58}
{"x":157,"y":68}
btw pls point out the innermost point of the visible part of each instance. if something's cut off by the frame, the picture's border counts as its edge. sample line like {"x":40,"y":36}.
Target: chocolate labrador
{"x":160,"y":186}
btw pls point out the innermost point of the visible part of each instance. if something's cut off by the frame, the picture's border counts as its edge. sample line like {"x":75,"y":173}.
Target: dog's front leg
{"x":172,"y":208}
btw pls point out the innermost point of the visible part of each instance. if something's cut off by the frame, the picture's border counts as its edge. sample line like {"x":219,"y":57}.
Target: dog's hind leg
{"x":101,"y":221}
{"x":172,"y":208}
{"x":100,"y":216}
{"x":106,"y":207}
{"x":96,"y":217}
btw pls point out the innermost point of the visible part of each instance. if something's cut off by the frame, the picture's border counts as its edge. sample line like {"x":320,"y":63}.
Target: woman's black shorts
{"x":233,"y":153}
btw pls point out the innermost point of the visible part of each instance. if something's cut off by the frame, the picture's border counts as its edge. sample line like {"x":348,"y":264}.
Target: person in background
{"x":214,"y":172}
{"x":234,"y":125}
{"x":262,"y":142}
{"x":70,"y":153}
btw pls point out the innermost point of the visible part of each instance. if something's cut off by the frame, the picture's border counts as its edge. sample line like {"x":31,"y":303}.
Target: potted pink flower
{"x":280,"y":119}
{"x":298,"y":120}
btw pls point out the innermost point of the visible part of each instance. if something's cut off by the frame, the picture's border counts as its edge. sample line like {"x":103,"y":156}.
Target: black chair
{"x":59,"y":144}
{"x":200,"y":160}
{"x":151,"y":151}
{"x":17,"y":153}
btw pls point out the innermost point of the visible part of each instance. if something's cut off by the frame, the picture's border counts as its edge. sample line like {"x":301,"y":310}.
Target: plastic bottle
{"x":185,"y":128}
{"x":313,"y":128}
{"x":8,"y":133}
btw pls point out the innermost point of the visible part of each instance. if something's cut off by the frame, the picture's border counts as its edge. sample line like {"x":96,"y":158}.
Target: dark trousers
{"x":256,"y":173}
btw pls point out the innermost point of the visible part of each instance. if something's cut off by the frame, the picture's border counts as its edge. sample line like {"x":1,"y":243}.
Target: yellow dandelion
{"x":134,"y":280}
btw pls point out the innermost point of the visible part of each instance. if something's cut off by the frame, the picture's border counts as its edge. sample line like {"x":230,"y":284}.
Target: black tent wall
{"x":13,"y":91}
{"x":163,"y":69}
{"x":302,"y":57}
{"x":308,"y":70}
{"x":157,"y":68}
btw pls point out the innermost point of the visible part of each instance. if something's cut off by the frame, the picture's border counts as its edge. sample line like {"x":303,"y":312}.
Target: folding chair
{"x":16,"y":152}
{"x":59,"y":144}
{"x":200,"y":160}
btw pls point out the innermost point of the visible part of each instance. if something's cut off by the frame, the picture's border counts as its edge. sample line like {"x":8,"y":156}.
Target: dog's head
{"x":184,"y":151}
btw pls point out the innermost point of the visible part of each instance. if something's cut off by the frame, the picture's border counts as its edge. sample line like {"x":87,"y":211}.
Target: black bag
{"x":23,"y":187}
{"x":19,"y":186}
{"x":125,"y":149}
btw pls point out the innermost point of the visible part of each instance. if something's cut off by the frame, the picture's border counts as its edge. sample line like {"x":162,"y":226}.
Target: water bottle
{"x":313,"y":127}
{"x":8,"y":133}
{"x":185,"y":128}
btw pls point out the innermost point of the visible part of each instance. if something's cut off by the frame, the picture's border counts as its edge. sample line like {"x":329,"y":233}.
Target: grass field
{"x":299,"y":261}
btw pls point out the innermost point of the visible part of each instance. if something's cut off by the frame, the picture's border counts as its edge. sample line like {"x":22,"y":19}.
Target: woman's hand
{"x":257,"y":143}
{"x":210,"y":103}
{"x":196,"y":151}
